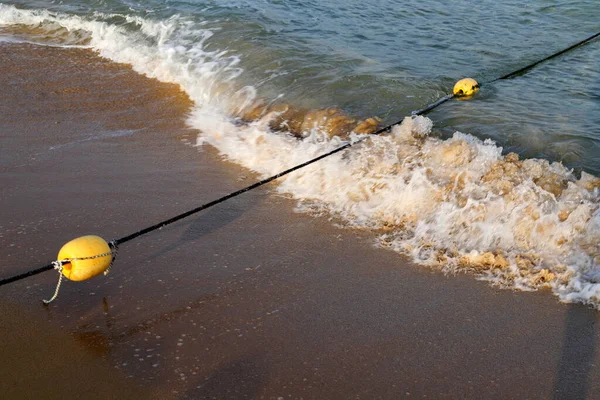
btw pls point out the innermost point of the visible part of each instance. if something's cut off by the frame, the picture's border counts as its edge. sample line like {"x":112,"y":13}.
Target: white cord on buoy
{"x":58,"y":265}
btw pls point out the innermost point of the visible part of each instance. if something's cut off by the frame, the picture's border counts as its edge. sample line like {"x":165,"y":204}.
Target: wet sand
{"x":246,"y":300}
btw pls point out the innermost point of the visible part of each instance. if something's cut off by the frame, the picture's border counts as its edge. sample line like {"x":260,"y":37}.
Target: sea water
{"x":503,"y":185}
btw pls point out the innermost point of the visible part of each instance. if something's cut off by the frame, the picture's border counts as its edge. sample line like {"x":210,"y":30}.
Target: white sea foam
{"x":171,"y":51}
{"x":455,"y":204}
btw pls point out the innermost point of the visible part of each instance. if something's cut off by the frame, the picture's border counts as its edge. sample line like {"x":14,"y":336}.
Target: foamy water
{"x":455,"y":203}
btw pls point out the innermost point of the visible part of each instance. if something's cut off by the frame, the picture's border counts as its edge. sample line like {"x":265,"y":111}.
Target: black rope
{"x":430,"y":107}
{"x":162,"y":224}
{"x":558,"y":53}
{"x":422,"y":111}
{"x":229,"y":196}
{"x":27,"y":274}
{"x":271,"y":178}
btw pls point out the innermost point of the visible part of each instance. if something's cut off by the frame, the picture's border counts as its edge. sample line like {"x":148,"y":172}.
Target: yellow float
{"x":466,"y":87}
{"x":87,"y":257}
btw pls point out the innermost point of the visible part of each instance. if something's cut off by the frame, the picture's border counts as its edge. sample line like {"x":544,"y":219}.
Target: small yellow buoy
{"x":88,"y":255}
{"x":466,"y":87}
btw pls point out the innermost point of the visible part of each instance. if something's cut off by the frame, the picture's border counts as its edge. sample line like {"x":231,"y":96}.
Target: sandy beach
{"x":247,"y":300}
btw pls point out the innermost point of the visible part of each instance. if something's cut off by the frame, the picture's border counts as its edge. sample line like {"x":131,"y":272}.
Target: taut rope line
{"x":534,"y":64}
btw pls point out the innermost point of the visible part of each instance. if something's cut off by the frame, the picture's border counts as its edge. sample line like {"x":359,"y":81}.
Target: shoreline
{"x":248,"y":299}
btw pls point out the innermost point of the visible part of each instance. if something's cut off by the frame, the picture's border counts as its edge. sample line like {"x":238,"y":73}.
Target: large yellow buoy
{"x":465,"y":87}
{"x":88,"y":255}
